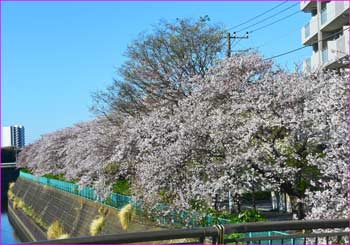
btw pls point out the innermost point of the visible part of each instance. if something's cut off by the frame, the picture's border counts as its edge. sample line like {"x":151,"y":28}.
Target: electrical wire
{"x":272,"y":23}
{"x":257,"y":16}
{"x":283,"y":36}
{"x":306,"y":46}
{"x":288,"y":52}
{"x":267,"y":18}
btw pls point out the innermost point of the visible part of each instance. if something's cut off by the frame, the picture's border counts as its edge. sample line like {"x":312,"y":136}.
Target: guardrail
{"x":8,"y":165}
{"x":169,"y":216}
{"x":219,"y":234}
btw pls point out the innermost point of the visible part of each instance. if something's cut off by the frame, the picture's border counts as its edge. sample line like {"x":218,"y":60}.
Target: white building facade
{"x":13,"y":136}
{"x":328,"y":34}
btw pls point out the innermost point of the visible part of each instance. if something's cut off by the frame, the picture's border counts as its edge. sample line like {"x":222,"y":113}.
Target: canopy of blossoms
{"x":244,"y":127}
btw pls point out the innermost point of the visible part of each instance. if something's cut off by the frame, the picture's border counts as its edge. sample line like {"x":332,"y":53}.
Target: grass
{"x":21,"y":204}
{"x":125,"y":216}
{"x":15,"y":202}
{"x":63,"y":236}
{"x":18,"y":203}
{"x":11,"y":185}
{"x":97,"y":225}
{"x":56,"y":231}
{"x":10,"y":195}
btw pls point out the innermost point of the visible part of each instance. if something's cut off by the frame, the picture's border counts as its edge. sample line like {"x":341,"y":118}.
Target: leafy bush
{"x":122,"y":186}
{"x":26,"y":170}
{"x":251,"y":215}
{"x":59,"y":177}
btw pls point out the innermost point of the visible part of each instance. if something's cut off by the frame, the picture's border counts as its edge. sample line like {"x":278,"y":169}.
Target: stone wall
{"x":74,"y":212}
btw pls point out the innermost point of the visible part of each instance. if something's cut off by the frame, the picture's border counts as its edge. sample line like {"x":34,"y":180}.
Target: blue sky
{"x":55,"y":54}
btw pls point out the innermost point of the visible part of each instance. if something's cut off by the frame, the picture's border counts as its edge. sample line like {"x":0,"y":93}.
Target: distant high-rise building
{"x":13,"y":136}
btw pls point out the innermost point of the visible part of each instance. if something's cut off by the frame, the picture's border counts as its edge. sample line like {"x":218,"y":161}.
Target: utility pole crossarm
{"x":228,"y":37}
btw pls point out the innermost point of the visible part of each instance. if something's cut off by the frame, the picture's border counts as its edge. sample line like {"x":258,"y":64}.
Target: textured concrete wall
{"x":74,"y":212}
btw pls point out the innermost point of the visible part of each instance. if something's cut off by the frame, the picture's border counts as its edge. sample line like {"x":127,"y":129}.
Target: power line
{"x":257,"y":16}
{"x":283,"y":36}
{"x":297,"y":49}
{"x":272,"y":23}
{"x":267,"y":18}
{"x":288,"y":52}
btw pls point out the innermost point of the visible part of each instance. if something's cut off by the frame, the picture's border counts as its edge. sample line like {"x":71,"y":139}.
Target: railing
{"x":324,"y":15}
{"x":324,"y":56}
{"x":8,"y":165}
{"x":307,"y":30}
{"x":168,"y":216}
{"x":219,"y":234}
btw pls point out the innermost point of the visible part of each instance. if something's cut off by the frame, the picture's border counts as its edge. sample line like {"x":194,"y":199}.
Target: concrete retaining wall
{"x":74,"y":212}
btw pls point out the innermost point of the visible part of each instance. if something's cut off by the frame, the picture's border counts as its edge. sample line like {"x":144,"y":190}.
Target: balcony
{"x":337,"y":50}
{"x":331,"y":56}
{"x":307,"y":6}
{"x":315,"y":62}
{"x":309,"y":32}
{"x":334,"y":15}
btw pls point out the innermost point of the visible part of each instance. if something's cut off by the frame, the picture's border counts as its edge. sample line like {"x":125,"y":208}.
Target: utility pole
{"x":228,"y":37}
{"x":228,"y":49}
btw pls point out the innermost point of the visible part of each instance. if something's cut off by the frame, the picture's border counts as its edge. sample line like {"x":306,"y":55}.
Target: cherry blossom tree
{"x":158,"y":65}
{"x":244,"y":127}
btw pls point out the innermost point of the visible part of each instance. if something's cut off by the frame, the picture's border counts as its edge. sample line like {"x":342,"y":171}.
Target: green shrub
{"x":251,"y":215}
{"x":26,"y":170}
{"x":122,"y":186}
{"x":59,"y":177}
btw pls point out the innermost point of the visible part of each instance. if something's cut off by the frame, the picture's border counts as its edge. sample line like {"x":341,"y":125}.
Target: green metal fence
{"x":86,"y":192}
{"x":168,"y":216}
{"x":274,"y":233}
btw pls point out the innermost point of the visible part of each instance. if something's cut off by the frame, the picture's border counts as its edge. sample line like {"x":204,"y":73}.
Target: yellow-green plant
{"x":17,"y":203}
{"x":102,"y":211}
{"x":63,"y":236}
{"x":10,"y":195}
{"x":28,"y":210}
{"x":11,"y":185}
{"x":97,"y":225}
{"x":21,"y":204}
{"x":56,"y":230}
{"x":40,"y":222}
{"x":125,"y":216}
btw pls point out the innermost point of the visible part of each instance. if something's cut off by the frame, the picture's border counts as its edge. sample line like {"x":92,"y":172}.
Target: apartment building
{"x":13,"y":136}
{"x":328,"y":34}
